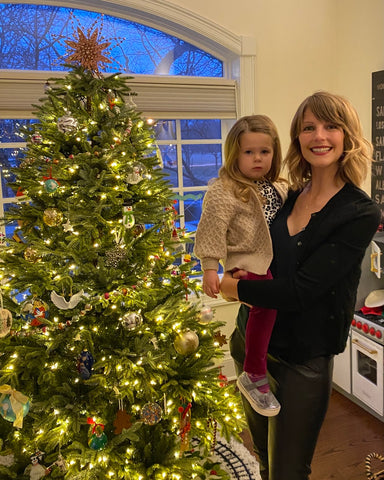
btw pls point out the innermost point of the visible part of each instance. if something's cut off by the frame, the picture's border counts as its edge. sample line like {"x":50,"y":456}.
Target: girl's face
{"x":255,"y":155}
{"x":321,"y":143}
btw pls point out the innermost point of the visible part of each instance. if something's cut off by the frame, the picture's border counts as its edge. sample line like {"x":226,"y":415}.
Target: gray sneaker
{"x":263,"y":403}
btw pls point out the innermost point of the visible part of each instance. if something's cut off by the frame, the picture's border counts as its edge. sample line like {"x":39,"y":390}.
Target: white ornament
{"x":67,"y":227}
{"x":37,"y":472}
{"x":63,"y":304}
{"x":128,"y":217}
{"x":7,"y":460}
{"x":206,"y":314}
{"x":136,"y":173}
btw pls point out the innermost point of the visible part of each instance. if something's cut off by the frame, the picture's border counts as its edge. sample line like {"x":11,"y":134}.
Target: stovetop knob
{"x":372,"y":331}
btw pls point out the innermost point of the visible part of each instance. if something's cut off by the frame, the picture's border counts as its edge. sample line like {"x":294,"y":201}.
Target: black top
{"x":316,"y":274}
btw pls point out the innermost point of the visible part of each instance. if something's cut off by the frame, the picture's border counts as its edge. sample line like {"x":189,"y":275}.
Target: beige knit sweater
{"x":234,"y":232}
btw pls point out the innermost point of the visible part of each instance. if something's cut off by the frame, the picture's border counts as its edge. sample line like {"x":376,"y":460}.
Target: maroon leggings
{"x":259,"y":329}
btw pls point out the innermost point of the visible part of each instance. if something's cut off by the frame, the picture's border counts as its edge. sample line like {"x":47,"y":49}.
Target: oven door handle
{"x":370,"y":351}
{"x":374,"y":256}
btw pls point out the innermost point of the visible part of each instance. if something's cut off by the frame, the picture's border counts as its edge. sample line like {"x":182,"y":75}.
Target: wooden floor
{"x":348,"y":435}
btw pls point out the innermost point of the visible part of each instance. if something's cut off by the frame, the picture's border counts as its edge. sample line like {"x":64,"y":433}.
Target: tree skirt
{"x":236,"y":460}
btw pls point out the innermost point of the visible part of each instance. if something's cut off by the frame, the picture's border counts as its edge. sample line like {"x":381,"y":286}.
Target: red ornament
{"x":185,"y":425}
{"x":224,"y":380}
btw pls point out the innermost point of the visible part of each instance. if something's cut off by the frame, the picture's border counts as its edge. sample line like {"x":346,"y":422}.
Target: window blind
{"x":157,"y":96}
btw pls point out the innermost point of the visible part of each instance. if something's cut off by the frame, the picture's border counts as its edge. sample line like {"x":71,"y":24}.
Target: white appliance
{"x":367,"y":334}
{"x":368,"y":371}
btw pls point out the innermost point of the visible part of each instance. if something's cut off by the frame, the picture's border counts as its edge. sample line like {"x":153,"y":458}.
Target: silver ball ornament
{"x":67,"y":124}
{"x":206,"y":314}
{"x":131,"y":320}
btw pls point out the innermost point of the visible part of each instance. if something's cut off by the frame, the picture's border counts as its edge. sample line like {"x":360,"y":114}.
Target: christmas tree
{"x":107,"y":370}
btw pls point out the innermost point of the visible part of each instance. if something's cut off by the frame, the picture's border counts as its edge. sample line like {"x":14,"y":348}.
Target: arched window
{"x":186,"y":73}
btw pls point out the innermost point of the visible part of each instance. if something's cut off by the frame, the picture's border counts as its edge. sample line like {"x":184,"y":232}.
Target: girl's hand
{"x":211,"y":283}
{"x":228,"y":286}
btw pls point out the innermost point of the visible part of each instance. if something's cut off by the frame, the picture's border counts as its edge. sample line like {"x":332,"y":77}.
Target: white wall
{"x":303,"y":46}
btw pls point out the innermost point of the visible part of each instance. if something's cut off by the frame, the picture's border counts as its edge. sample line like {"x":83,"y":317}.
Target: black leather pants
{"x":285,"y":443}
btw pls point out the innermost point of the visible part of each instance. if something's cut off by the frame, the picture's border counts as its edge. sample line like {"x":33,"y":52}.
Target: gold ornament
{"x":31,"y":255}
{"x":5,"y":322}
{"x":138,"y":230}
{"x":52,"y":217}
{"x":186,"y":343}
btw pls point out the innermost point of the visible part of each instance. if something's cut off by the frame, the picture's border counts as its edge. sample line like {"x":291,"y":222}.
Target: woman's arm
{"x":323,"y":269}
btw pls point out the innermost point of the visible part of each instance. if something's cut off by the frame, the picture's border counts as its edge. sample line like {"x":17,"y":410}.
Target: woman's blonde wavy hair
{"x":357,"y":156}
{"x":242,"y":186}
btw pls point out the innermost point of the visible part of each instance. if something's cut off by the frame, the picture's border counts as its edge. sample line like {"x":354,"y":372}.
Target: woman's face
{"x":321,"y":143}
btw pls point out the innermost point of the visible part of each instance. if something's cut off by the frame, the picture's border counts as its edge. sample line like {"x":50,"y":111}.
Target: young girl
{"x":238,"y":208}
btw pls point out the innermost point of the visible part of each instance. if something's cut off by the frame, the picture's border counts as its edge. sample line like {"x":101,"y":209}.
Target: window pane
{"x":192,"y":209}
{"x":135,"y":48}
{"x":165,"y":130}
{"x":169,"y":156}
{"x":9,"y":130}
{"x":200,"y":129}
{"x":10,"y":227}
{"x":9,"y":157}
{"x":200,"y":163}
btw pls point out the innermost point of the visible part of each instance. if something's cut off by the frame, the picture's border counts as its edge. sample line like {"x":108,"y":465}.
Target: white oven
{"x":368,"y":371}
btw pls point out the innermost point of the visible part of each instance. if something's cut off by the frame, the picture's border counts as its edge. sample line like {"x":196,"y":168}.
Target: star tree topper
{"x":87,"y":49}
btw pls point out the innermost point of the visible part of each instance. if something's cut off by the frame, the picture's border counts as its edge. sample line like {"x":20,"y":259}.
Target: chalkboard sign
{"x":378,"y":139}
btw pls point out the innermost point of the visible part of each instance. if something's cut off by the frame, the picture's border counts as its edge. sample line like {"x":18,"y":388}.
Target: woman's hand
{"x":239,"y":274}
{"x":228,"y":286}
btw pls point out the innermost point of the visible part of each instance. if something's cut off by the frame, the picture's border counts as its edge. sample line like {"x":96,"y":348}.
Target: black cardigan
{"x":315,"y":305}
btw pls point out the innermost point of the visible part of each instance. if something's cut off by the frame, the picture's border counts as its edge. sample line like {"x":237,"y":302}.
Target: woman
{"x":319,"y":239}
